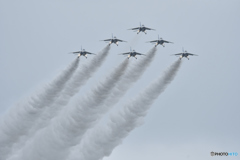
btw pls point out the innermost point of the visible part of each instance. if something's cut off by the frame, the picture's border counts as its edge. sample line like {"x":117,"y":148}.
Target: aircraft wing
{"x":107,"y":40}
{"x":140,"y":53}
{"x":152,"y":41}
{"x":133,"y":28}
{"x":76,"y":52}
{"x":120,"y":40}
{"x":149,"y":28}
{"x":192,"y":54}
{"x":124,"y":53}
{"x":178,"y":54}
{"x":90,"y":53}
{"x":167,"y":41}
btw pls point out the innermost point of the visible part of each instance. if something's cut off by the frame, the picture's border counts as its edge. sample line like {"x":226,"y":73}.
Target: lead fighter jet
{"x":132,"y":53}
{"x":114,"y":40}
{"x":142,"y":28}
{"x":82,"y":53}
{"x":160,"y":41}
{"x":184,"y":54}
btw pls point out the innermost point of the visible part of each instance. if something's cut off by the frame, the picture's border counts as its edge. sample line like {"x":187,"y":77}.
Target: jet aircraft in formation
{"x":142,"y":28}
{"x":160,"y":41}
{"x":132,"y":53}
{"x":184,"y":54}
{"x":82,"y":53}
{"x":113,"y":40}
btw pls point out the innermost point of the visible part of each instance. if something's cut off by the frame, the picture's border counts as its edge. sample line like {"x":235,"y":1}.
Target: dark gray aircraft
{"x":184,"y":54}
{"x":142,"y":28}
{"x":132,"y":53}
{"x":113,"y":40}
{"x":82,"y":53}
{"x":160,"y":41}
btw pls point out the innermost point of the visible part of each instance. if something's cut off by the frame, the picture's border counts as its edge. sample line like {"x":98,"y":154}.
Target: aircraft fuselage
{"x":82,"y":54}
{"x":142,"y":29}
{"x":184,"y":55}
{"x":113,"y":41}
{"x":132,"y":54}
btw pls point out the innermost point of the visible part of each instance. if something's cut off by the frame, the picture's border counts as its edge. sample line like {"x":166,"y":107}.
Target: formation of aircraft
{"x":113,"y":40}
{"x":142,"y":28}
{"x":133,"y":53}
{"x":159,"y":41}
{"x":82,"y":53}
{"x":184,"y":54}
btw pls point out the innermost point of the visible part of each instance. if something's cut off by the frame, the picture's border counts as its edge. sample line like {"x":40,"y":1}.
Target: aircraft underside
{"x":183,"y":56}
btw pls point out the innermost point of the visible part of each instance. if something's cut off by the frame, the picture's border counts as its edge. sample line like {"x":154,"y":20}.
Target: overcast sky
{"x":198,"y":113}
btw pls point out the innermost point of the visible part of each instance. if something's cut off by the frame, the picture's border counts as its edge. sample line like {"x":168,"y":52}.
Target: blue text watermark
{"x":224,"y":153}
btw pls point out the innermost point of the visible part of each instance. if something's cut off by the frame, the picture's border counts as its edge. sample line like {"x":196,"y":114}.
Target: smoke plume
{"x":86,"y":71}
{"x":100,"y":141}
{"x":17,"y":121}
{"x":132,"y":75}
{"x":67,"y":129}
{"x":72,"y":87}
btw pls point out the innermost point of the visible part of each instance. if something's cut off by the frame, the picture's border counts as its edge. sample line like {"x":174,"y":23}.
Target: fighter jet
{"x":142,"y":28}
{"x":113,"y":40}
{"x":184,"y":54}
{"x":82,"y":53}
{"x":160,"y":41}
{"x":132,"y":53}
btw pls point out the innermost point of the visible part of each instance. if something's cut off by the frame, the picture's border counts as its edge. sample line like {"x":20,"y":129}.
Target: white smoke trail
{"x":86,"y":71}
{"x":79,"y":79}
{"x":132,"y":75}
{"x":66,"y":130}
{"x":101,"y":141}
{"x":17,"y":121}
